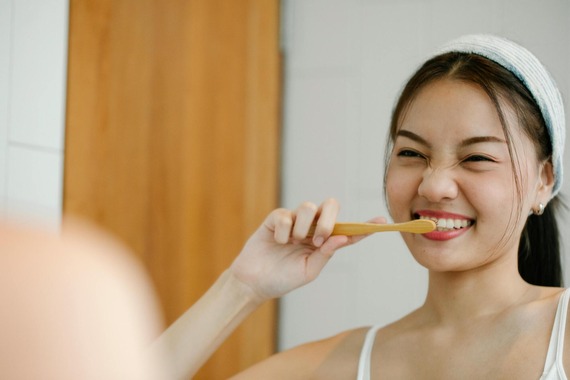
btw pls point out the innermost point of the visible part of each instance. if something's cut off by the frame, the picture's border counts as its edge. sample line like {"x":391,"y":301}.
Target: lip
{"x":448,"y":234}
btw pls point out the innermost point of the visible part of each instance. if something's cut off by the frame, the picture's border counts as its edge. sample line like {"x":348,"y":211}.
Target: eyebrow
{"x":463,"y":144}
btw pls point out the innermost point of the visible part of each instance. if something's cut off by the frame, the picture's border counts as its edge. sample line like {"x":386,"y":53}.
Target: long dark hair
{"x":539,"y":246}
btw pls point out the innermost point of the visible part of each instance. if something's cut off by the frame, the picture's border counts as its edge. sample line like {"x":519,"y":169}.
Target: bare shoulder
{"x":332,"y":358}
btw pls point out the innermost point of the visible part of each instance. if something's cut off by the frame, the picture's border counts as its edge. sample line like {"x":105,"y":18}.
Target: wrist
{"x":240,"y":290}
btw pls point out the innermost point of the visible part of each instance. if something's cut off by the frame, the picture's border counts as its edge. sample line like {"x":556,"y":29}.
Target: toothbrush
{"x":418,"y":226}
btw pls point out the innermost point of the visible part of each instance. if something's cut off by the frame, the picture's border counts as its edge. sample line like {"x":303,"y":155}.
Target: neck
{"x":462,"y":296}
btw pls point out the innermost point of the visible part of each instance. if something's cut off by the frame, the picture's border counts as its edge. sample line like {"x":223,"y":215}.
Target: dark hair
{"x":539,"y":246}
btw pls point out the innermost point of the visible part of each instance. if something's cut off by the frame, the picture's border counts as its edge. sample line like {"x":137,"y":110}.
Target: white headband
{"x":528,"y":69}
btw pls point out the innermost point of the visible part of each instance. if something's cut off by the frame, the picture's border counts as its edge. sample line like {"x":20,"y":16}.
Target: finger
{"x":280,"y":222}
{"x":304,"y":217}
{"x":318,"y":259}
{"x":327,"y":218}
{"x":332,"y":244}
{"x":357,"y":238}
{"x":378,"y":220}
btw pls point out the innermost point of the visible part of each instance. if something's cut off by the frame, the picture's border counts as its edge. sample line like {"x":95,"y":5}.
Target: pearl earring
{"x":540,"y":210}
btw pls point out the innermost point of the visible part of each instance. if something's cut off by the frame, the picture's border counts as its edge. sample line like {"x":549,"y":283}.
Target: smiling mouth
{"x":444,"y":224}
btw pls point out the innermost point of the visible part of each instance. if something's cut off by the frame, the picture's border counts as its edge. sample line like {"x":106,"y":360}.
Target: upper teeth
{"x":447,"y":224}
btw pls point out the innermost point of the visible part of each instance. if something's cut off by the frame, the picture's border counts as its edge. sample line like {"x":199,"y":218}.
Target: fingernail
{"x":318,"y":241}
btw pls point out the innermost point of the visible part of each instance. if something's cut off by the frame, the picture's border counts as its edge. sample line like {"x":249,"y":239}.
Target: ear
{"x":545,"y":182}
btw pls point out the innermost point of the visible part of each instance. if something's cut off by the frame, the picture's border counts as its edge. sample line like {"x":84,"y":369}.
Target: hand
{"x":279,"y":256}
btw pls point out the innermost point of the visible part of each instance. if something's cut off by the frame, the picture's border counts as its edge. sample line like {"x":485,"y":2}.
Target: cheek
{"x":400,"y":190}
{"x":494,"y":201}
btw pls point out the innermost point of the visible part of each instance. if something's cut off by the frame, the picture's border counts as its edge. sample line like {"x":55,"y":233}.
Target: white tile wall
{"x":345,"y":61}
{"x":33,"y":57}
{"x":5,"y":53}
{"x":327,"y":46}
{"x":39,"y":54}
{"x":35,"y":182}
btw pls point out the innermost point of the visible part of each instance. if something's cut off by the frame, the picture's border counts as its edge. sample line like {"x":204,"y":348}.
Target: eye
{"x":410,"y":153}
{"x":478,"y":158}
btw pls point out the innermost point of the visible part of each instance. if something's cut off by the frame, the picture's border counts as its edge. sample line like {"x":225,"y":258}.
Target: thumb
{"x":319,"y":258}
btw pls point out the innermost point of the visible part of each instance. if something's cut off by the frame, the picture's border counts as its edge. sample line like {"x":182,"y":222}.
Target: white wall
{"x":33,"y":63}
{"x":345,"y":62}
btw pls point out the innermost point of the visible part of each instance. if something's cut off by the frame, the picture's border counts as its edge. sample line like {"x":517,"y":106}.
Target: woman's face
{"x":450,"y":163}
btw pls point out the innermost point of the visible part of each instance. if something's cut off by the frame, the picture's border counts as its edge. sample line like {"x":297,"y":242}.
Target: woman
{"x":475,"y":144}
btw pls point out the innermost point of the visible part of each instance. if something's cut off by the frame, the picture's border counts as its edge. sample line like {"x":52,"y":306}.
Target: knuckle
{"x":308,"y":206}
{"x":308,"y":209}
{"x":280,"y":211}
{"x":280,"y":219}
{"x":284,"y":221}
{"x":331,"y":201}
{"x":331,"y":204}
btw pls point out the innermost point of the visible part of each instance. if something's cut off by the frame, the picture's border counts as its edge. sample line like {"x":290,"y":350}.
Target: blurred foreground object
{"x":75,"y":305}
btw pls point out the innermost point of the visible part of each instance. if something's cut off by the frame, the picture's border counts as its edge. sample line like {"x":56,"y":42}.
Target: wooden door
{"x":172,"y":141}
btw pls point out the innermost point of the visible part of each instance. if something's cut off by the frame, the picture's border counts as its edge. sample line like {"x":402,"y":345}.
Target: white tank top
{"x":553,"y":367}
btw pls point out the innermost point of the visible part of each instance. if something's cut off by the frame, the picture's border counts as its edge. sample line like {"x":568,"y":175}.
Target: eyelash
{"x":408,"y":153}
{"x":478,"y":158}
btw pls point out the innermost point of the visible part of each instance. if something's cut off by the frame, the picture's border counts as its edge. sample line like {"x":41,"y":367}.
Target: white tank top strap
{"x":366,"y":353}
{"x":553,"y":366}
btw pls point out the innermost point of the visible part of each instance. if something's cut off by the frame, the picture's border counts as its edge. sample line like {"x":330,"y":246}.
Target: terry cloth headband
{"x":525,"y":66}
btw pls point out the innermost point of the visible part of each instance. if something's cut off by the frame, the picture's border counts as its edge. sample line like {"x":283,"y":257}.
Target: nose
{"x":438,"y":185}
